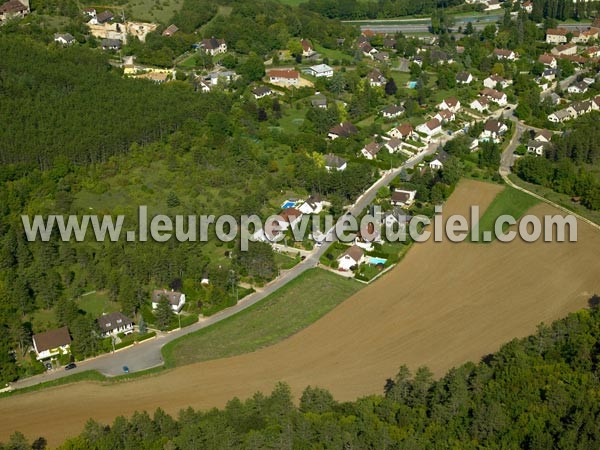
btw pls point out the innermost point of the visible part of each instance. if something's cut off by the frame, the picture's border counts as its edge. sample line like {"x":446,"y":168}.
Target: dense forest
{"x":358,"y":9}
{"x":535,"y":393}
{"x":566,"y":165}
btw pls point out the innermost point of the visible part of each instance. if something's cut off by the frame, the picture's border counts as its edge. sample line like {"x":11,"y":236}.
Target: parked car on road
{"x":70,"y":366}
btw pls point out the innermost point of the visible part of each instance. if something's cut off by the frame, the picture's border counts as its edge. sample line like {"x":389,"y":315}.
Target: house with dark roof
{"x":370,"y":150}
{"x":439,"y":160}
{"x":213,"y":46}
{"x":376,"y":78}
{"x":393,"y":111}
{"x":176,"y":299}
{"x":51,"y":343}
{"x":64,"y":38}
{"x":103,"y":17}
{"x":402,"y":198}
{"x":353,"y":257}
{"x":261,"y":92}
{"x":464,"y":78}
{"x":110,"y":44}
{"x":307,"y":48}
{"x":335,"y":163}
{"x":342,"y":130}
{"x":493,"y":129}
{"x":508,"y":55}
{"x":114,"y":323}
{"x":14,"y":9}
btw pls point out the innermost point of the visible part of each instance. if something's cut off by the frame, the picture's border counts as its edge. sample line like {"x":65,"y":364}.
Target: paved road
{"x":508,"y":160}
{"x":147,"y":354}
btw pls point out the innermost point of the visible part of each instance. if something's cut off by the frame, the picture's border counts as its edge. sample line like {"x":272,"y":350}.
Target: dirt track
{"x":442,"y":305}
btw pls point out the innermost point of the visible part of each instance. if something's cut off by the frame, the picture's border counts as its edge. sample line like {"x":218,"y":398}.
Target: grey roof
{"x":172,"y":296}
{"x":114,"y":320}
{"x":332,"y":160}
{"x":109,"y":43}
{"x":104,"y":16}
{"x":66,"y":36}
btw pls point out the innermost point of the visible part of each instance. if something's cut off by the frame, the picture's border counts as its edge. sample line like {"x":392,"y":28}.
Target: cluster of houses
{"x":540,"y":143}
{"x":575,"y":109}
{"x":568,"y":48}
{"x":57,"y":342}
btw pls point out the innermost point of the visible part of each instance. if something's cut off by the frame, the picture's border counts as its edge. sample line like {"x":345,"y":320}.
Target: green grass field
{"x":278,"y":316}
{"x":510,"y":201}
{"x":97,"y":303}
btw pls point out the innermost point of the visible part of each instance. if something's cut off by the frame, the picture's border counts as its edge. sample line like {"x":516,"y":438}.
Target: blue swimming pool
{"x":375,"y":261}
{"x":288,"y":204}
{"x":412,"y":84}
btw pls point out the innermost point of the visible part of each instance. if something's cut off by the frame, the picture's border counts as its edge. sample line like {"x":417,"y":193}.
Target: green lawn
{"x":561,"y":199}
{"x":287,"y":311}
{"x":97,"y":303}
{"x":509,"y":201}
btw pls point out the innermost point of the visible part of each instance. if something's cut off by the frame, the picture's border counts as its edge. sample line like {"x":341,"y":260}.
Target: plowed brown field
{"x":444,"y":304}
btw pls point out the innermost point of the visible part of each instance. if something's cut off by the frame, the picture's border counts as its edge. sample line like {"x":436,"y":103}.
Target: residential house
{"x":464,"y":78}
{"x":312,"y":205}
{"x":556,"y":35}
{"x":430,"y":128}
{"x":404,"y":131}
{"x":440,"y":57}
{"x":343,"y":130}
{"x":213,"y":46}
{"x":592,"y":52}
{"x":335,"y":163}
{"x":495,"y":96}
{"x":114,"y":323}
{"x":493,"y":130}
{"x":583,"y":36}
{"x":90,"y":12}
{"x":402,"y":198}
{"x":578,"y":88}
{"x":110,"y":44}
{"x":319,"y":71}
{"x":394,"y":145}
{"x":559,"y":116}
{"x":202,"y":86}
{"x":370,"y":150}
{"x":494,"y":81}
{"x":396,"y":216}
{"x":548,"y":60}
{"x":508,"y":55}
{"x":353,"y":257}
{"x":307,"y":48}
{"x":261,"y":92}
{"x":392,"y":112}
{"x":14,"y":9}
{"x":445,"y":115}
{"x":543,"y":136}
{"x":176,"y":299}
{"x":527,"y":7}
{"x":285,"y":77}
{"x":492,"y":5}
{"x":376,"y":78}
{"x":438,"y":162}
{"x":103,"y":17}
{"x":224,"y":77}
{"x":596,"y":103}
{"x":480,"y":104}
{"x":170,"y":30}
{"x":51,"y":343}
{"x":451,"y":103}
{"x":577,"y":109}
{"x":549,"y":74}
{"x":381,"y":57}
{"x":289,"y":217}
{"x":389,"y":43}
{"x":565,"y":50}
{"x":368,"y":50}
{"x":64,"y":38}
{"x":537,"y":148}
{"x":319,"y":101}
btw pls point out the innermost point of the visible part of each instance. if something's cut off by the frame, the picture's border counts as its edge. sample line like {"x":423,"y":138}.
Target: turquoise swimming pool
{"x":375,"y":261}
{"x":412,"y":84}
{"x":288,"y":204}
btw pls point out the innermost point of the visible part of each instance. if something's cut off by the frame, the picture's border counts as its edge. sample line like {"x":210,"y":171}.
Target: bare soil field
{"x":444,"y":304}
